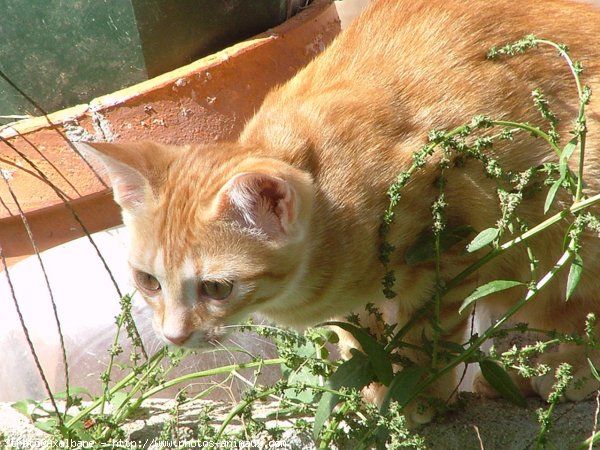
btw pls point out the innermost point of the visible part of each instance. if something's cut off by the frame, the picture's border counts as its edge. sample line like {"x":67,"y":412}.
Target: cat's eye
{"x":217,"y":290}
{"x":146,"y":282}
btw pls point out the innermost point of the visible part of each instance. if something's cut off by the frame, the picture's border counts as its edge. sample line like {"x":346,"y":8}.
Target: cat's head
{"x":216,"y":233}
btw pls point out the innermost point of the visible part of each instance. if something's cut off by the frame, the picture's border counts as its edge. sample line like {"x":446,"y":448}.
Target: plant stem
{"x":332,"y":426}
{"x":240,"y":407}
{"x":581,"y":115}
{"x":573,"y":209}
{"x":531,"y":129}
{"x":210,"y":372}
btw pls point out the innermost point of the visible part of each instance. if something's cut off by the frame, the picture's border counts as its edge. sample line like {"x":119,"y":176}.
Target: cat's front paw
{"x":582,"y":382}
{"x":418,"y":412}
{"x":580,"y":387}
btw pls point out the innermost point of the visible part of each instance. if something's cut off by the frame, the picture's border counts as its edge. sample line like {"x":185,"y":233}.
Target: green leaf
{"x":424,"y":247}
{"x":375,"y":351}
{"x":563,"y":168}
{"x":301,"y":375}
{"x":25,"y":407}
{"x":118,"y":399}
{"x":551,"y":194}
{"x":563,"y":164}
{"x":322,"y":336}
{"x":47,"y":425}
{"x":574,"y":275}
{"x":487,"y":289}
{"x":500,"y":380}
{"x":484,"y":238}
{"x":402,"y":387}
{"x":355,"y":373}
{"x":593,"y":370}
{"x":324,"y":409}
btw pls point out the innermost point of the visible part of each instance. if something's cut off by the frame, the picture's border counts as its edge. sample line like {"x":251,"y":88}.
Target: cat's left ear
{"x":135,"y":170}
{"x":267,"y":203}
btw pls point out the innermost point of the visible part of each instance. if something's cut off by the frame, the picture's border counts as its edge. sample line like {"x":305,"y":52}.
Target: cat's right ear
{"x":275,"y":206}
{"x":135,"y":169}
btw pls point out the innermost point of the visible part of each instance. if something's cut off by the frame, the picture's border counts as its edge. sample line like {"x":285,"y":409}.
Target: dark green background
{"x":65,"y":52}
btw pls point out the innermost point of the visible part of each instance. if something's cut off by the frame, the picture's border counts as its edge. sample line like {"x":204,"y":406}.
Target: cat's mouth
{"x":197,"y":339}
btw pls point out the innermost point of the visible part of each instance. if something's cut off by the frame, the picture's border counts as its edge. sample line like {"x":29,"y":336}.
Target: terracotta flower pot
{"x":60,"y":196}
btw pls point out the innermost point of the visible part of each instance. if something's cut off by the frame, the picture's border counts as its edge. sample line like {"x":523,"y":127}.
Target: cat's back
{"x":422,"y":64}
{"x":417,"y":35}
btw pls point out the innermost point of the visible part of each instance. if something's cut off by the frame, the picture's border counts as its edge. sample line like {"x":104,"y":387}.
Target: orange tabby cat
{"x":285,"y":220}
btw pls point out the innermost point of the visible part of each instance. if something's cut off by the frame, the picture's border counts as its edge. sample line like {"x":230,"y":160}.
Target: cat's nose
{"x":177,"y":339}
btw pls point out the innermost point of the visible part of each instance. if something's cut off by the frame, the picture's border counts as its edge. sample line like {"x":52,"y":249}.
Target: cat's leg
{"x":583,"y":383}
{"x":578,"y":357}
{"x":443,"y":390}
{"x":484,"y":319}
{"x":573,"y":317}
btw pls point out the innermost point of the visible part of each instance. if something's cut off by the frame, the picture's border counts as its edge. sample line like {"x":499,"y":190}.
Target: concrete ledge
{"x":497,"y":424}
{"x":475,"y":424}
